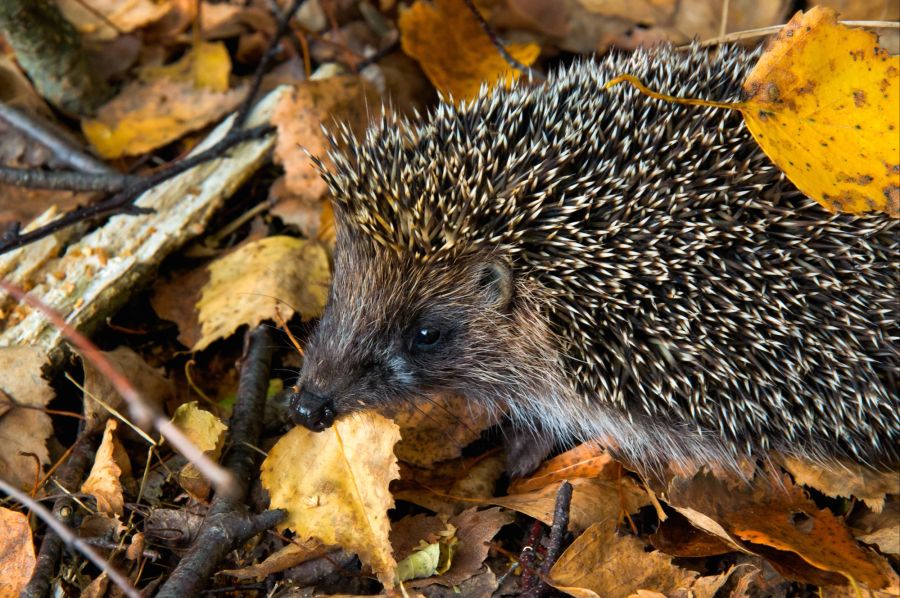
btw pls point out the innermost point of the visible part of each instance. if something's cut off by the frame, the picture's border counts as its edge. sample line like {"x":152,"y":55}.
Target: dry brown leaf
{"x":676,"y":536}
{"x":338,"y":493}
{"x":16,"y":552}
{"x":814,"y":545}
{"x":600,"y":563}
{"x":299,"y":118}
{"x":24,"y":429}
{"x":454,"y":51}
{"x":445,"y":487}
{"x":110,"y":463}
{"x":155,"y":388}
{"x":285,"y":558}
{"x":206,"y":432}
{"x":588,"y":460}
{"x":844,"y":478}
{"x":105,"y":19}
{"x":248,"y":285}
{"x":592,"y":501}
{"x":438,"y":429}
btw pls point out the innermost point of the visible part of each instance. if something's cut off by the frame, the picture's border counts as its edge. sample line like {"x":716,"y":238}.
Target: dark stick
{"x":530,"y":579}
{"x":227,"y":523}
{"x":284,"y":23}
{"x":557,"y":535}
{"x":121,"y":202}
{"x":65,"y":180}
{"x":486,"y":27}
{"x":49,"y":135}
{"x":69,"y":477}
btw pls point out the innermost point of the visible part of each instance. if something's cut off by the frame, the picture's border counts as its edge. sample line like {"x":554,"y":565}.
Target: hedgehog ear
{"x":496,"y":281}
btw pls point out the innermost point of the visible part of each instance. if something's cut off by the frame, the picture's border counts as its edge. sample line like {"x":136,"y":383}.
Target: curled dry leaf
{"x":207,"y":432}
{"x":338,"y":492}
{"x":588,"y":460}
{"x":290,"y":556}
{"x":453,"y":50}
{"x":16,"y":552}
{"x":105,"y":19}
{"x":110,"y":463}
{"x":24,"y":427}
{"x":450,"y":487}
{"x":824,"y":104}
{"x":248,"y":285}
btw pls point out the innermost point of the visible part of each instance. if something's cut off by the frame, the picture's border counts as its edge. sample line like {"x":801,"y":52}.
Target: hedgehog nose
{"x":312,"y":411}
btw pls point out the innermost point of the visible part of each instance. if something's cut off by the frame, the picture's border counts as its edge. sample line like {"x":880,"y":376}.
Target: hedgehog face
{"x":396,"y":329}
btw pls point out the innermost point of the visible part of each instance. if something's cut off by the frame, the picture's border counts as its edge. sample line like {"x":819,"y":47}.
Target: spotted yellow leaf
{"x":824,"y":104}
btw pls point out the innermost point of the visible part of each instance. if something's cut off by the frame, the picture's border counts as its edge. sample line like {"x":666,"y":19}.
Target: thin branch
{"x":486,"y":27}
{"x":71,"y":539}
{"x":123,"y":201}
{"x":227,"y":523}
{"x":284,"y":23}
{"x":66,"y":180}
{"x":751,"y":33}
{"x":142,"y":412}
{"x":554,"y":543}
{"x":56,"y":141}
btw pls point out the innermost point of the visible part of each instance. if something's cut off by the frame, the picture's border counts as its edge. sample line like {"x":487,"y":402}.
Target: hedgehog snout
{"x":311,"y":410}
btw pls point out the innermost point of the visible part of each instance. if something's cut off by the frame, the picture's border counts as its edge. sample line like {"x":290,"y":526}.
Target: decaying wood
{"x":101,"y":271}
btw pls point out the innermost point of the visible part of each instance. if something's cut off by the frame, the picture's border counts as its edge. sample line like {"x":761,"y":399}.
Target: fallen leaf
{"x":206,"y":432}
{"x":588,"y":460}
{"x":99,"y":392}
{"x":110,"y":463}
{"x":248,"y":285}
{"x":16,"y":552}
{"x":299,"y":118}
{"x":844,"y":478}
{"x":24,"y":427}
{"x":105,"y":19}
{"x":823,"y":104}
{"x":776,"y":514}
{"x":881,"y":528}
{"x":450,"y":487}
{"x":592,"y":501}
{"x":453,"y":50}
{"x":600,"y":563}
{"x":437,"y":429}
{"x":338,"y":493}
{"x":290,"y":556}
{"x":168,"y":103}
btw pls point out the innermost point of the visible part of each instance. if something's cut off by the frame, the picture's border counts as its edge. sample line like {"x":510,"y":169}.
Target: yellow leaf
{"x":207,"y":65}
{"x":249,"y":284}
{"x":338,"y":492}
{"x":111,"y":462}
{"x":824,"y":104}
{"x":453,"y":50}
{"x":207,"y":432}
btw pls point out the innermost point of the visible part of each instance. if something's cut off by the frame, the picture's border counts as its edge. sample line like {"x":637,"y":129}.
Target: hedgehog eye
{"x":425,"y":338}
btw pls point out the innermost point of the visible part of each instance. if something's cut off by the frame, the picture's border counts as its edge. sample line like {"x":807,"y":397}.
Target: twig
{"x":123,"y":201}
{"x":143,"y":413}
{"x":44,"y":133}
{"x":530,"y":579}
{"x":227,"y":524}
{"x":554,"y":544}
{"x":33,"y":178}
{"x":377,"y":55}
{"x":486,"y":27}
{"x":71,"y":539}
{"x":284,"y":23}
{"x":751,"y":33}
{"x":69,"y":477}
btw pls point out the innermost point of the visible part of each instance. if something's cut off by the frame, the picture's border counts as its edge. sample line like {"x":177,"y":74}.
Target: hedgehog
{"x":599,"y":264}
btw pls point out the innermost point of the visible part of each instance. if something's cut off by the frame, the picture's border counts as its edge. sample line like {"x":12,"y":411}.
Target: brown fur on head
{"x":397,"y":328}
